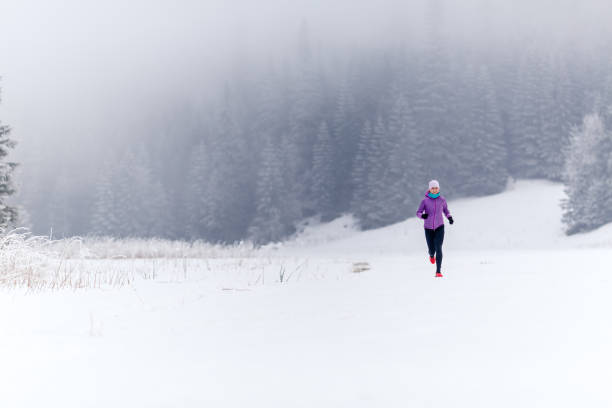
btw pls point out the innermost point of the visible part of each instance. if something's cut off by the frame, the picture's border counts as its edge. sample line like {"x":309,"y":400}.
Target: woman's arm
{"x":419,"y":212}
{"x":445,"y":209}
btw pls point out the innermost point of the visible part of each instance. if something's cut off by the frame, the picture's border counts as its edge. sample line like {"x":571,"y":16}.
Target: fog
{"x":76,"y":72}
{"x":80,"y":75}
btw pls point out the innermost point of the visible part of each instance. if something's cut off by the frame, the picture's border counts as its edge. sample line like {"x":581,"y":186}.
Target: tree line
{"x":362,"y":134}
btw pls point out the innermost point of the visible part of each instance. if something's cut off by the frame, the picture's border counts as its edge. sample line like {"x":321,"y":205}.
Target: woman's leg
{"x":438,"y":240}
{"x":429,"y":236}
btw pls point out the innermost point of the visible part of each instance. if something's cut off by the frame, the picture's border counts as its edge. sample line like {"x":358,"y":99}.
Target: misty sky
{"x":75,"y":73}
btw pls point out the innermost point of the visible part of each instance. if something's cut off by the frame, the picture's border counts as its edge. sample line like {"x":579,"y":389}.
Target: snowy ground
{"x":519,"y":320}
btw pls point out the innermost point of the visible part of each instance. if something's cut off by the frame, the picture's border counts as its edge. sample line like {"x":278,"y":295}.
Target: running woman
{"x":430,"y":210}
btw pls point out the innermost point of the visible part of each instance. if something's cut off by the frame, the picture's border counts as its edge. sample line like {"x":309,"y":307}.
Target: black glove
{"x":450,"y":219}
{"x":424,"y":216}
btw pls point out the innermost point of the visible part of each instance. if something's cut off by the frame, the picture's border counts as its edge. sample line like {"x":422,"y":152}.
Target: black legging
{"x":435,"y":238}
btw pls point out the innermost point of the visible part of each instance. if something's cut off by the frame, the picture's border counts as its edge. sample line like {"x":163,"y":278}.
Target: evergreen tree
{"x":169,"y":150}
{"x":587,"y":173}
{"x":198,"y":176}
{"x":8,"y":214}
{"x":105,"y":220}
{"x":360,"y":171}
{"x":307,"y":106}
{"x":375,"y":208}
{"x":555,"y":120}
{"x":346,"y":125}
{"x":406,"y":150}
{"x":133,"y":186}
{"x":129,"y":202}
{"x":603,"y":101}
{"x":323,"y":182}
{"x":31,"y":188}
{"x":293,"y":207}
{"x":228,"y":208}
{"x":272,"y":221}
{"x":256,"y":160}
{"x":273,"y":132}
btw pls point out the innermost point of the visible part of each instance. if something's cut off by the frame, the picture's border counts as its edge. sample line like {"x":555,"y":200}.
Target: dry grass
{"x":40,"y":263}
{"x":91,"y":247}
{"x":36,"y":262}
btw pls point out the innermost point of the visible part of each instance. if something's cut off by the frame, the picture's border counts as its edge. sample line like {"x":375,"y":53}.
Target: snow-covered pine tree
{"x":132,"y":185}
{"x":346,"y":124}
{"x":588,"y":171}
{"x":359,"y":173}
{"x":8,"y":214}
{"x":170,"y":146}
{"x":307,"y":101}
{"x":198,"y":175}
{"x":305,"y":117}
{"x":555,"y":120}
{"x":105,"y":219}
{"x":272,"y":131}
{"x":228,"y":209}
{"x":129,"y":202}
{"x":155,"y":215}
{"x":374,"y":210}
{"x":603,"y":104}
{"x":405,"y":176}
{"x":272,"y":220}
{"x":292,"y":205}
{"x":323,"y":182}
{"x":32,"y":191}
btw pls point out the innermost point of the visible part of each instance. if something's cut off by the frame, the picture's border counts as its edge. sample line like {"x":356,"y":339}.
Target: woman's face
{"x":434,"y":190}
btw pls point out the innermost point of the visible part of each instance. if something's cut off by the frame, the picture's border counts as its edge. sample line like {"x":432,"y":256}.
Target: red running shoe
{"x":432,"y":259}
{"x":438,"y":275}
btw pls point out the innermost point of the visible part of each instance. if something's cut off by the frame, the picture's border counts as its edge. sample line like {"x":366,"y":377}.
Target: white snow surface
{"x":520,"y":319}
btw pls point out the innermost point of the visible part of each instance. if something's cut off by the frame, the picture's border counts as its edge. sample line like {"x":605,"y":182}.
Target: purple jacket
{"x":433,"y":207}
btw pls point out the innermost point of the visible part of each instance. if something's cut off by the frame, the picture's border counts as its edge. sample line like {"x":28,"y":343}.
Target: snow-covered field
{"x":521,"y":319}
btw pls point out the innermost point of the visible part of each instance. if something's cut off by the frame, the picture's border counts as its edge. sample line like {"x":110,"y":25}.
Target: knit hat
{"x":434,"y":183}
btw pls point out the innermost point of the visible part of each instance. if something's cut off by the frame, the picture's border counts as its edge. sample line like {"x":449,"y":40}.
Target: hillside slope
{"x":526,"y":216}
